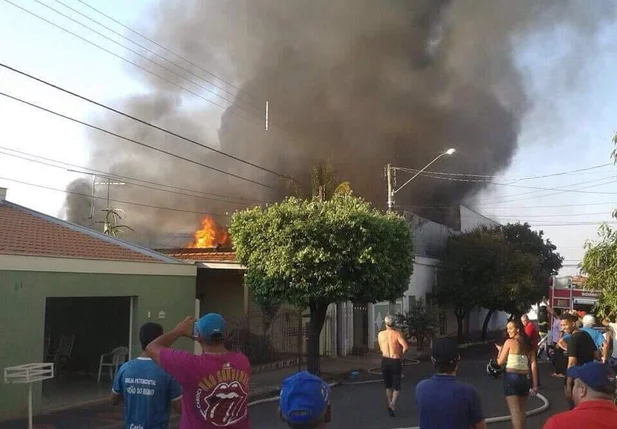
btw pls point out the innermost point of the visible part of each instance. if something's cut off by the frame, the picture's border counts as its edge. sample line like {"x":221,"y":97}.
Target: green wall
{"x":22,"y":315}
{"x":222,"y":291}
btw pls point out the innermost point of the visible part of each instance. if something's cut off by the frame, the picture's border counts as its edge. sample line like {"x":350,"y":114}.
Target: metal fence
{"x":269,"y":336}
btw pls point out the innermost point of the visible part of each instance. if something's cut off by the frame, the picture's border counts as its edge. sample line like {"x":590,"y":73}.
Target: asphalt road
{"x":363,"y":406}
{"x":353,"y":406}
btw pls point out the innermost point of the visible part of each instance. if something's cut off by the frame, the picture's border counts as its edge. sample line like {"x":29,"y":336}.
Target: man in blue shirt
{"x":588,"y":322}
{"x":147,"y":390}
{"x":444,"y":402}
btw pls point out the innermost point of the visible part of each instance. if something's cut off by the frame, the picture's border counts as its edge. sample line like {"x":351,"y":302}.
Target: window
{"x":412,"y":301}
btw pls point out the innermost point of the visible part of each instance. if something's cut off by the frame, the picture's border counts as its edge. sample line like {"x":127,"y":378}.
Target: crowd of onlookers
{"x":210,"y":389}
{"x":554,"y":341}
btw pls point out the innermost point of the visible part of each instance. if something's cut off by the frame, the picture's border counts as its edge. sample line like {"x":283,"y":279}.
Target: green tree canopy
{"x":600,"y":266}
{"x":469,"y":266}
{"x":548,"y":261}
{"x":504,"y":268}
{"x":314,"y":253}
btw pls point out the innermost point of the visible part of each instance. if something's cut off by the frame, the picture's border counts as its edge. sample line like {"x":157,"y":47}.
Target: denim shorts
{"x":516,"y":384}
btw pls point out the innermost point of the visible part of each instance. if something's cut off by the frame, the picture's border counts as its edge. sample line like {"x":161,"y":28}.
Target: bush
{"x":419,"y":322}
{"x":258,"y":348}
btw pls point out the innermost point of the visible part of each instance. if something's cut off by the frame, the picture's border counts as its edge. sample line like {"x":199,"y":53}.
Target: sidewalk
{"x":102,"y":415}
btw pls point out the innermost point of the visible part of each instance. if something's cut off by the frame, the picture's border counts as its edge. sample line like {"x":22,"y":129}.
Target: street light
{"x":392,"y":191}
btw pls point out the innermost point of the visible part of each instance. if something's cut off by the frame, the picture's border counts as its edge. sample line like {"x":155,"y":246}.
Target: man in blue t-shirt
{"x":443,"y":402}
{"x":147,"y":390}
{"x":588,"y":323}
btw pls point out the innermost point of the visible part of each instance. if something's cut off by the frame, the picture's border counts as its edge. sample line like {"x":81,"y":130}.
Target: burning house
{"x":220,"y":287}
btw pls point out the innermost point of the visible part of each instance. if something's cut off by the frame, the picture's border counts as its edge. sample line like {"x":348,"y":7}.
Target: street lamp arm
{"x":420,"y":172}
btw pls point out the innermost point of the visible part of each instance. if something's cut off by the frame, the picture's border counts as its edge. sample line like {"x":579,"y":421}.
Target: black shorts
{"x":392,"y":370}
{"x":516,"y":384}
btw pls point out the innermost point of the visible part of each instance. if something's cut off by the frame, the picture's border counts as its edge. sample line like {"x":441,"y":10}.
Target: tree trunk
{"x":460,"y":317}
{"x":268,"y":315}
{"x":487,"y":319}
{"x":317,"y":319}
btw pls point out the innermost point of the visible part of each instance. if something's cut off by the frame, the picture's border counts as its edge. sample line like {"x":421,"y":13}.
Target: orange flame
{"x":209,"y":235}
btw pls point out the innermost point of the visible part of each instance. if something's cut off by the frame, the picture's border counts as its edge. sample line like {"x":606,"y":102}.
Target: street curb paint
{"x":499,"y":419}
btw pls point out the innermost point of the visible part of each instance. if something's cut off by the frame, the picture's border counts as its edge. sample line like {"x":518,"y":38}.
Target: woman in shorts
{"x":519,"y":359}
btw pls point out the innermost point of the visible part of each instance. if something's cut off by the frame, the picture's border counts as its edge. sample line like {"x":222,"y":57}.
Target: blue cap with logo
{"x":209,"y":325}
{"x":304,"y":398}
{"x":600,"y":377}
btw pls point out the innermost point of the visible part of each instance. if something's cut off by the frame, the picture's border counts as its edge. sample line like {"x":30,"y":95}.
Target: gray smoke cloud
{"x":361,"y":83}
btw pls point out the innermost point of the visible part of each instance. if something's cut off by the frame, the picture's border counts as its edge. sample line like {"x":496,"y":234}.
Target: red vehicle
{"x":566,"y":293}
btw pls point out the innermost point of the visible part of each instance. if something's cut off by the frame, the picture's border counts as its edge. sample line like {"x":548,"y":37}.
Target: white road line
{"x":533,"y":412}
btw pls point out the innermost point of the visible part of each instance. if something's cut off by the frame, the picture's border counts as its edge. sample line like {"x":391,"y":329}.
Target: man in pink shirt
{"x":215,"y":383}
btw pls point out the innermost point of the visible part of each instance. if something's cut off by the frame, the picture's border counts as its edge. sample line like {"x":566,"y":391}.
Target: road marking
{"x":529,"y":413}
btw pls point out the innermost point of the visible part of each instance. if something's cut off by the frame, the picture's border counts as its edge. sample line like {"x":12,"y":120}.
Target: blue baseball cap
{"x":304,"y":398}
{"x":600,"y":377}
{"x":209,"y":325}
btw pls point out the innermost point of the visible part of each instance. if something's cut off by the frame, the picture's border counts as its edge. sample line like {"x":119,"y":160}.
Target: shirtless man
{"x":393,"y":346}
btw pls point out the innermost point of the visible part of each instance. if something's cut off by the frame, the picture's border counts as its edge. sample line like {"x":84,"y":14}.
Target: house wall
{"x":22,"y":315}
{"x":471,"y":220}
{"x":421,"y":282}
{"x":222,"y":291}
{"x":430,"y":239}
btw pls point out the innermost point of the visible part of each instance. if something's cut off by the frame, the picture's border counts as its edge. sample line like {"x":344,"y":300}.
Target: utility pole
{"x":390,"y":178}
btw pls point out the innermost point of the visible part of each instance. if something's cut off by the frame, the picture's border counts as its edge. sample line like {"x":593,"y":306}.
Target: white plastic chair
{"x":118,"y":356}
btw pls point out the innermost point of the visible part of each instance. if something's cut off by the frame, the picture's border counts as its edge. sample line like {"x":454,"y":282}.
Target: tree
{"x":323,"y":183}
{"x":314,"y":253}
{"x":418,"y":322}
{"x":466,"y":267}
{"x":547,"y":263}
{"x":482,"y":268}
{"x":600,"y":263}
{"x":600,"y":266}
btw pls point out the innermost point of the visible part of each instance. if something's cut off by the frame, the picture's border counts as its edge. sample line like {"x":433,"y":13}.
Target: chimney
{"x":3,"y":194}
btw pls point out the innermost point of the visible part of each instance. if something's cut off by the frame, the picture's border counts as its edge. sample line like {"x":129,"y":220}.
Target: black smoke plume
{"x":361,"y":83}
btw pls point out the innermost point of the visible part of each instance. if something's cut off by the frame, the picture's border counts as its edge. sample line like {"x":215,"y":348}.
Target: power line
{"x":134,"y":141}
{"x":248,"y":119}
{"x":141,"y":121}
{"x":272,"y":125}
{"x":135,"y":52}
{"x":124,"y":178}
{"x":571,"y":224}
{"x":131,"y":62}
{"x":558,"y":215}
{"x":241,"y":91}
{"x":112,"y":199}
{"x":561,"y":190}
{"x":522,"y":207}
{"x":526,"y":187}
{"x":428,"y":173}
{"x":553,"y":206}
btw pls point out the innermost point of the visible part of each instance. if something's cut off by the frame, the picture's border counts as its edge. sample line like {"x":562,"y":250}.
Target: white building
{"x":429,"y":240}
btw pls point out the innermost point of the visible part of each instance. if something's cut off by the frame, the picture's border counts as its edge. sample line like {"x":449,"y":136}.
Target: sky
{"x":566,"y":131}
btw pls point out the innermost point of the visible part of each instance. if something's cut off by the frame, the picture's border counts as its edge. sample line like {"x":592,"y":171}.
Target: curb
{"x":499,"y":419}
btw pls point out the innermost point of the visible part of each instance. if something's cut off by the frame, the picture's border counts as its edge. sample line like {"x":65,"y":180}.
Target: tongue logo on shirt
{"x":225,"y":405}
